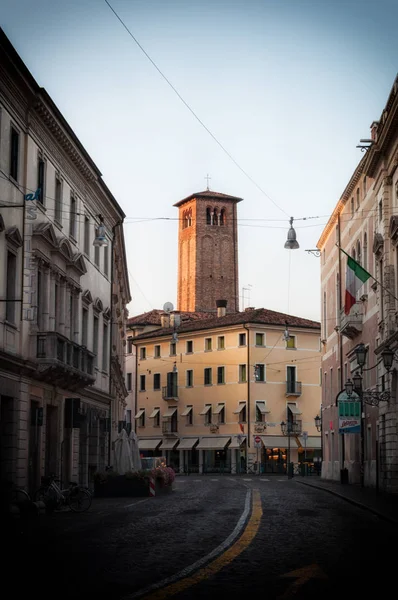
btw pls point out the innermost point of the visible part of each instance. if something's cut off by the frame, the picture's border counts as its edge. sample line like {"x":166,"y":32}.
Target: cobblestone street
{"x":273,"y":536}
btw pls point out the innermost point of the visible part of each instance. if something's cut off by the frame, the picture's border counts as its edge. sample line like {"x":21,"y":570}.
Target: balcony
{"x":169,"y":428}
{"x":63,"y":362}
{"x":170,"y":392}
{"x":293,"y":388}
{"x":351,"y":324}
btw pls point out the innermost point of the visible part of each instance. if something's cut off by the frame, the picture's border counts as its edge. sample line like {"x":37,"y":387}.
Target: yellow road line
{"x":222,"y":561}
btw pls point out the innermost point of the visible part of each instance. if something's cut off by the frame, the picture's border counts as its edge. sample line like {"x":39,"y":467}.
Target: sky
{"x":287,"y":87}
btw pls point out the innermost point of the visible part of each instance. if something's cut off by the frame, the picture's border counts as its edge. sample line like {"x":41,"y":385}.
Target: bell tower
{"x":207,"y":252}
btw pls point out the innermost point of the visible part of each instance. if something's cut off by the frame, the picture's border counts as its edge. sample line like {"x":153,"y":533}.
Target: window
{"x":208,"y":344}
{"x":157,"y":351}
{"x":222,"y":216}
{"x":259,"y":371}
{"x":142,"y":383}
{"x":41,"y":179}
{"x":129,"y":346}
{"x":352,"y":207}
{"x":241,"y":412}
{"x":58,"y":200}
{"x":11,"y":287}
{"x":14,"y":154}
{"x":208,"y":376}
{"x":189,"y":378}
{"x":242,"y":374}
{"x":72,"y":316}
{"x":364,"y":187}
{"x":56,"y":306}
{"x":188,"y":413}
{"x":220,"y":412}
{"x":291,"y":342}
{"x":359,"y":255}
{"x":72,"y":217}
{"x":156,"y":381}
{"x":156,"y":417}
{"x":173,"y":349}
{"x":106,"y":260}
{"x":189,"y":349}
{"x":261,"y":411}
{"x":208,"y":216}
{"x":172,"y":385}
{"x":206,"y":412}
{"x":140,"y":417}
{"x":142,"y":353}
{"x":129,"y":381}
{"x":358,"y":200}
{"x":220,"y":375}
{"x":87,"y":235}
{"x":259,"y":339}
{"x":97,"y":255}
{"x":84,"y":327}
{"x":291,"y":384}
{"x":221,"y":342}
{"x":242,"y":339}
{"x":105,"y":348}
{"x":380,"y":210}
{"x":95,"y":339}
{"x":40,"y":300}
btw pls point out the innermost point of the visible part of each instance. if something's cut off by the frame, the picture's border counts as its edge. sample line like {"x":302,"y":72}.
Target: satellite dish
{"x":168,"y":307}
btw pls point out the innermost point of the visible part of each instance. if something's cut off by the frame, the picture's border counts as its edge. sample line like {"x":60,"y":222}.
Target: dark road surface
{"x":306,"y":544}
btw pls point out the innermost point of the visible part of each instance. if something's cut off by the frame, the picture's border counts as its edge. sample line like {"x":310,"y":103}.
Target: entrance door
{"x":291,"y":380}
{"x":51,"y":454}
{"x":34,"y":441}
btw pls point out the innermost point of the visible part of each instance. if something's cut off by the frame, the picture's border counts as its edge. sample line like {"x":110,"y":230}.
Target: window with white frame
{"x":189,"y":377}
{"x":155,"y":415}
{"x":58,"y":200}
{"x":41,"y":178}
{"x":241,"y":412}
{"x":156,"y":351}
{"x":156,"y":381}
{"x":189,"y":347}
{"x":208,"y":376}
{"x":219,"y":412}
{"x":208,"y":344}
{"x":242,"y":339}
{"x":140,"y":417}
{"x":206,"y":412}
{"x":72,"y":216}
{"x":14,"y":154}
{"x":259,"y":372}
{"x":242,"y":374}
{"x":143,"y":353}
{"x":260,"y":339}
{"x":261,"y":411}
{"x":129,"y":380}
{"x":11,"y":286}
{"x":105,"y":348}
{"x":173,"y":349}
{"x":220,"y":375}
{"x":142,"y":383}
{"x":106,"y":260}
{"x":87,"y":235}
{"x":129,"y":346}
{"x":188,"y":414}
{"x":221,"y":342}
{"x":291,"y":342}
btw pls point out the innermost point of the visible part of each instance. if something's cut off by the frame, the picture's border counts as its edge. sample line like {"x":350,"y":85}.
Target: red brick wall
{"x":207,"y":258}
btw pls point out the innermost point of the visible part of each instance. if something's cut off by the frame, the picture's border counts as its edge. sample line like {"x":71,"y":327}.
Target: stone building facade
{"x":57,"y":291}
{"x":364,"y":225}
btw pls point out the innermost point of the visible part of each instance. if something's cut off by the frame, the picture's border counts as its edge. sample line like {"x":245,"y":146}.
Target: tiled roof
{"x":209,"y":194}
{"x":153,"y":318}
{"x":261,"y":316}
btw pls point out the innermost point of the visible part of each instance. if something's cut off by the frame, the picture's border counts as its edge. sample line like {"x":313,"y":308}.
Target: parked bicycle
{"x":77,"y":498}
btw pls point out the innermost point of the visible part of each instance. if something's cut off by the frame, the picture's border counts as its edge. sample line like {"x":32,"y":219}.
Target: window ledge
{"x":221,"y":383}
{"x":12,"y":325}
{"x":260,"y":381}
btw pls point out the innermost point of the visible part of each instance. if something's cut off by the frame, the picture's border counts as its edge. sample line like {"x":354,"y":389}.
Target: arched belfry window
{"x":215,"y":217}
{"x":208,"y":216}
{"x":222,"y":216}
{"x":359,"y":255}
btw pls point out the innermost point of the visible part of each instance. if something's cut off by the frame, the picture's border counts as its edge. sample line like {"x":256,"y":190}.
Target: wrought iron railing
{"x":293,"y":388}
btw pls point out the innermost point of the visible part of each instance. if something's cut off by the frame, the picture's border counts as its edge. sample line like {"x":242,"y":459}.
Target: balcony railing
{"x":293,"y":388}
{"x":351,"y":324}
{"x":169,"y":427}
{"x":63,"y":361}
{"x":170,"y":392}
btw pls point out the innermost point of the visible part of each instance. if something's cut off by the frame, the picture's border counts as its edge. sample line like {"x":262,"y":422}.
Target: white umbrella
{"x":135,"y":452}
{"x":123,"y":460}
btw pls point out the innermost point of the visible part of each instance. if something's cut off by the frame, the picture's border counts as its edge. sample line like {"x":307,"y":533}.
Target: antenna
{"x":246,"y":289}
{"x":168,"y":307}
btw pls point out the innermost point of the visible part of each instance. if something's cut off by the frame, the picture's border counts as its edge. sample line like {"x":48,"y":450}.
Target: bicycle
{"x":75,"y":497}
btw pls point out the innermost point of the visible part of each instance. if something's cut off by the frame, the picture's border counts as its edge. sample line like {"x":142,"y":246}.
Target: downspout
{"x":235,"y":242}
{"x":340,"y":339}
{"x":248,"y":391}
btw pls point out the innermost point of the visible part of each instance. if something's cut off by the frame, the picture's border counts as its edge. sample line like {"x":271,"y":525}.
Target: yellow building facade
{"x":215,"y":394}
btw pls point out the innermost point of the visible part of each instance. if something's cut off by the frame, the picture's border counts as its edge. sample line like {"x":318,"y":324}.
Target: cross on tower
{"x":208,"y":177}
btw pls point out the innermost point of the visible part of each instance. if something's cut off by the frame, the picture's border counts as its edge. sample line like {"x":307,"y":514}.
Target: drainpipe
{"x":341,"y":340}
{"x":248,"y":392}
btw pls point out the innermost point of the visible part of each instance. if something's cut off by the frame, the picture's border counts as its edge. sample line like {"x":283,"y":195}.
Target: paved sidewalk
{"x":381,"y":504}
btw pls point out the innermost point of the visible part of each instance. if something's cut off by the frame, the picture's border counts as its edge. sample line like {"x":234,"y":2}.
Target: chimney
{"x":165,"y":320}
{"x":221,"y":308}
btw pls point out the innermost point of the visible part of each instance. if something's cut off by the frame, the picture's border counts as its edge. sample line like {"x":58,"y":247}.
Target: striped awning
{"x":170,"y":412}
{"x":154,"y":413}
{"x":240,"y":408}
{"x":262,"y":407}
{"x":169,"y":444}
{"x":278,"y":441}
{"x":236,"y":442}
{"x":140,"y":413}
{"x":218,"y":409}
{"x":293,"y":408}
{"x":205,"y":410}
{"x":186,"y":412}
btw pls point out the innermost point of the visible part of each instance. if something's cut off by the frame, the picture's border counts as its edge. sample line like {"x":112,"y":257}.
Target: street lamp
{"x":318,"y":423}
{"x":290,"y":428}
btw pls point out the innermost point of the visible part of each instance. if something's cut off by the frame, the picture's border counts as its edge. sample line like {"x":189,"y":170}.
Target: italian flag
{"x":355,"y":278}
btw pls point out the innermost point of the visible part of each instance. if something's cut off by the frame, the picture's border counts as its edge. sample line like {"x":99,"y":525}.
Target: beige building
{"x":207,"y":388}
{"x":63,"y":297}
{"x":364,"y":225}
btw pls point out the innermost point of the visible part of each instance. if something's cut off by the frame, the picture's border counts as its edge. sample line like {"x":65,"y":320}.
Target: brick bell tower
{"x":207,"y":252}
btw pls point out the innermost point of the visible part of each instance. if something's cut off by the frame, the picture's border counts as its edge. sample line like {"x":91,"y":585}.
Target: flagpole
{"x":383,"y":287}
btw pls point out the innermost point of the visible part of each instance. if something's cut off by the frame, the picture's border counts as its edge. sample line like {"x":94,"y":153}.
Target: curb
{"x":352,"y":501}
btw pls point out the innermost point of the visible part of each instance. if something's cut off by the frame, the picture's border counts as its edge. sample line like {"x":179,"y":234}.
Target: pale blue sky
{"x":287,"y":86}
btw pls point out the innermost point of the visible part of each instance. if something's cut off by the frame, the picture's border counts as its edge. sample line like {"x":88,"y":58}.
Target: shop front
{"x":189,"y":455}
{"x":213,"y":455}
{"x":274,"y":453}
{"x":167,"y":449}
{"x":238,"y":454}
{"x":149,"y":447}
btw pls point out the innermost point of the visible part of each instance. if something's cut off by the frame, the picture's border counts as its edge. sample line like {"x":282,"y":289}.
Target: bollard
{"x":151,"y":486}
